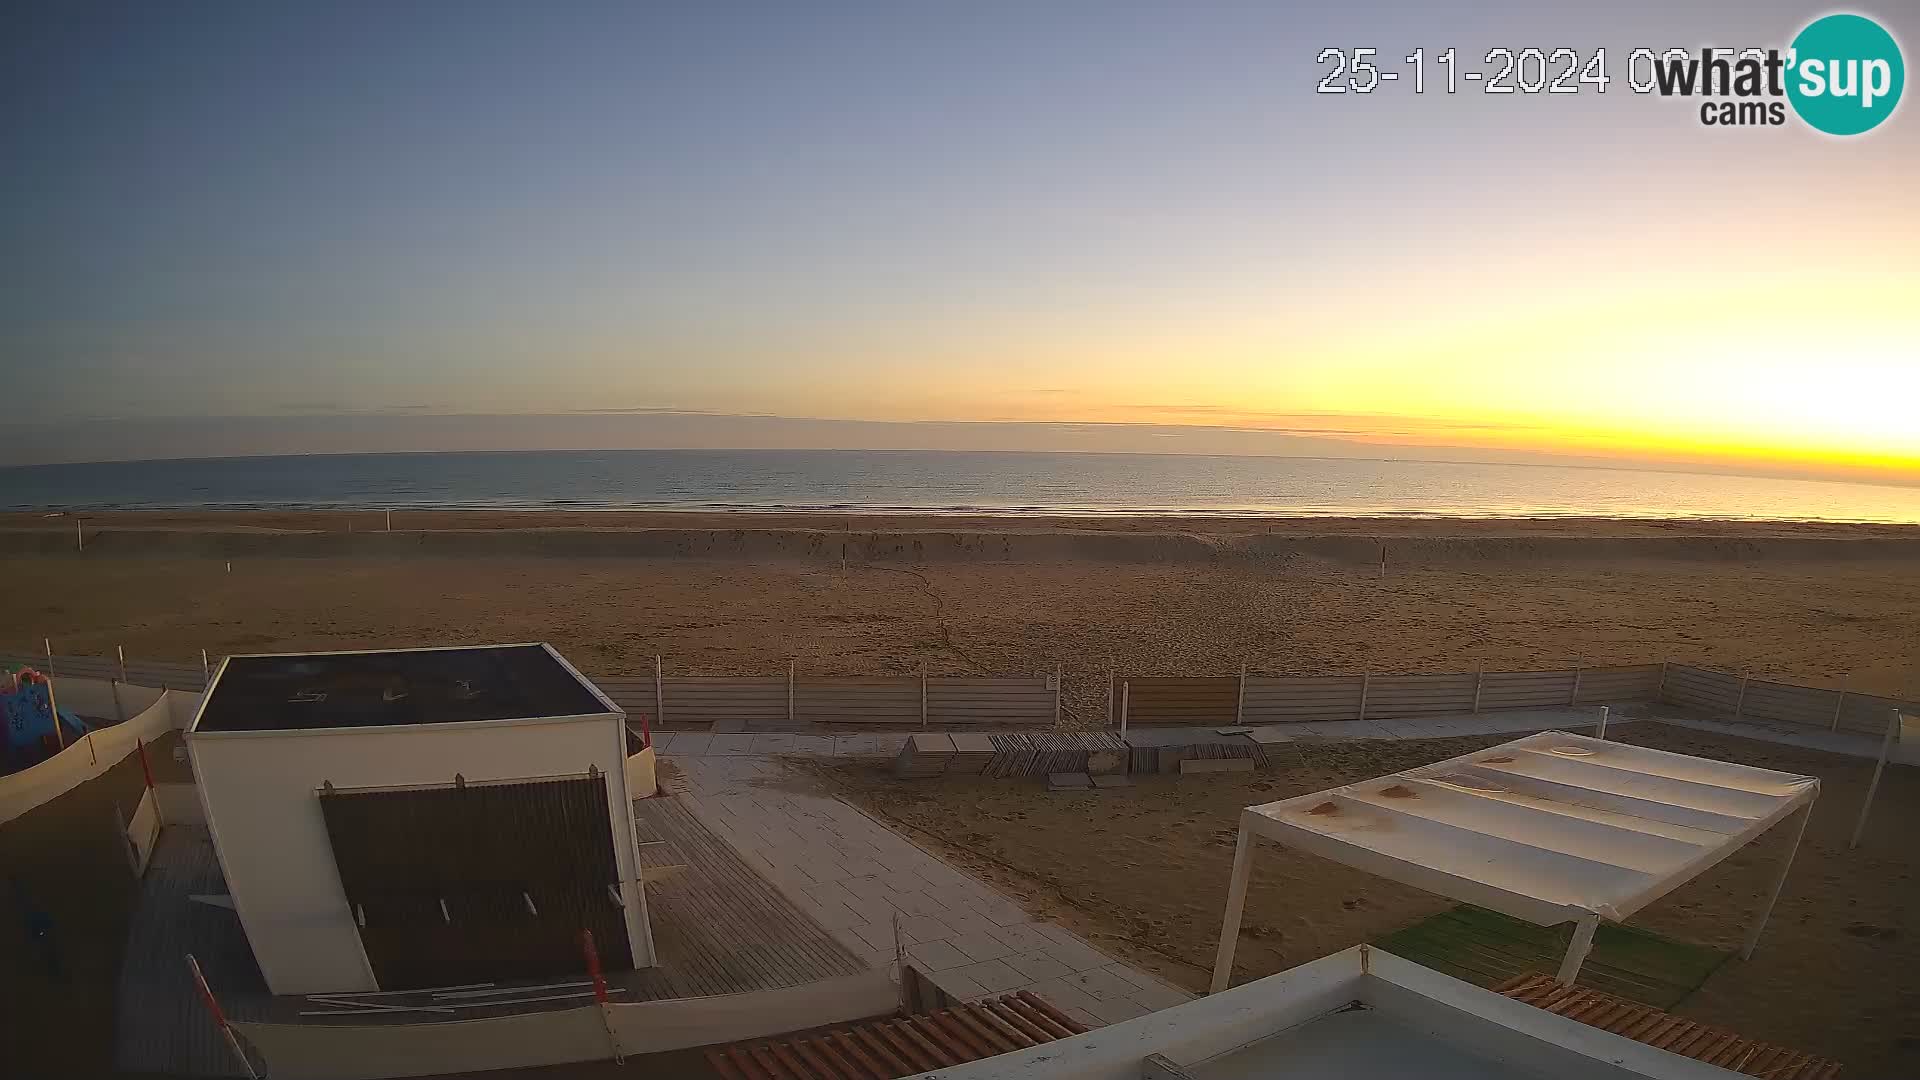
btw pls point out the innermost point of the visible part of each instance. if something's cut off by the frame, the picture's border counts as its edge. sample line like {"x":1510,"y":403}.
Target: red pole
{"x":219,"y":1018}
{"x":593,"y":966}
{"x":646,"y":730}
{"x":146,"y":767}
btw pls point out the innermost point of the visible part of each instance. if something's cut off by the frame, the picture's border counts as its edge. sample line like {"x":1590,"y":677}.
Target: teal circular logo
{"x":1846,"y":74}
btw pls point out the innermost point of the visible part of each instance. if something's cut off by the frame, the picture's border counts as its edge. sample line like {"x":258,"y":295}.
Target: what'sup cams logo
{"x":1843,"y":75}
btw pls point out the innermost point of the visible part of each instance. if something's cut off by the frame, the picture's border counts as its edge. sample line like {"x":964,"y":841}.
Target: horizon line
{"x":1662,"y":467}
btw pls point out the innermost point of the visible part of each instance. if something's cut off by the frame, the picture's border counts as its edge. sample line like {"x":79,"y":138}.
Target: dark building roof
{"x":381,"y":689}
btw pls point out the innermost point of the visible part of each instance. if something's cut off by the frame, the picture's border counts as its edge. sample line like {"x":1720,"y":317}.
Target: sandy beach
{"x":846,"y":594}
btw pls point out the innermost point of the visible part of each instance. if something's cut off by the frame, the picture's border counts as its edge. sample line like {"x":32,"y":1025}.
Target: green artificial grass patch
{"x":1487,"y":948}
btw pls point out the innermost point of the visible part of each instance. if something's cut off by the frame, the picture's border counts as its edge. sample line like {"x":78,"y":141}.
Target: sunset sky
{"x":233,"y":228}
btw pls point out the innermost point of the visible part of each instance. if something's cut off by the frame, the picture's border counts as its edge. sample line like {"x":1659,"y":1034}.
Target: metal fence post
{"x":791,"y":664}
{"x":659,"y":694}
{"x":1873,"y":785}
{"x":1365,"y":678}
{"x":1740,"y":703}
{"x":1838,"y":704}
{"x":1660,"y":691}
{"x":120,"y":654}
{"x":1240,"y":701}
{"x":1059,"y":686}
{"x":1574,"y":697}
{"x":53,"y":708}
{"x":923,"y":695}
{"x":1124,"y":687}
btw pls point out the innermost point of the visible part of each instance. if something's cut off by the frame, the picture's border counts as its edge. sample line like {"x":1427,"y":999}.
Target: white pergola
{"x":1550,"y":828}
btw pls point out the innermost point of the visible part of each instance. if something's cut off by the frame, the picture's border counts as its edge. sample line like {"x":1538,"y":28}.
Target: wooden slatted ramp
{"x":902,"y":1046}
{"x":1675,"y":1034}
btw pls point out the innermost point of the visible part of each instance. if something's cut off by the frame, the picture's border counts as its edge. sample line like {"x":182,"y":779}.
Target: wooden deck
{"x":718,"y":927}
{"x":161,"y":1025}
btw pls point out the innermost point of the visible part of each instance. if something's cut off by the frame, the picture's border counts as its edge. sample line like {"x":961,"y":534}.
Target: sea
{"x":941,"y":482}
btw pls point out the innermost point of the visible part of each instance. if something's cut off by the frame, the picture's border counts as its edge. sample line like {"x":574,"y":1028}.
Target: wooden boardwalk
{"x":718,"y":927}
{"x":161,"y":1025}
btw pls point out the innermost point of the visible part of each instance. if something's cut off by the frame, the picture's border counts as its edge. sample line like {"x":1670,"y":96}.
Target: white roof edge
{"x":1217,"y":1024}
{"x":1551,"y":1028}
{"x":443,"y":725}
{"x":410,"y":648}
{"x":583,"y":680}
{"x":206,"y":695}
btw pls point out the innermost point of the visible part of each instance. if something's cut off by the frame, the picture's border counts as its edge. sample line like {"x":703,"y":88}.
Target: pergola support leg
{"x":1779,"y":882}
{"x":1582,"y":944}
{"x":1236,"y":904}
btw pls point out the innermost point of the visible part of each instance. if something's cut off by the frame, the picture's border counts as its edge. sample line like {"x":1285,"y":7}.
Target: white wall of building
{"x":260,"y":792}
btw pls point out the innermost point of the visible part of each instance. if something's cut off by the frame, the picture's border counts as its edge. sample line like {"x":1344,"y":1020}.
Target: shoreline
{"x":908,"y":540}
{"x":893,"y":520}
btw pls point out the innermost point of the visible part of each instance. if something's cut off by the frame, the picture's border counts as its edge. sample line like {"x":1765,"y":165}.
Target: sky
{"x":268,"y":228}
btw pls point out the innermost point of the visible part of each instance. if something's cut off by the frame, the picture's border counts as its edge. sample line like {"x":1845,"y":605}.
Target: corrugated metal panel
{"x":1282,"y":700}
{"x":1153,"y":700}
{"x":962,"y":701}
{"x":1720,"y":693}
{"x":879,"y":700}
{"x":1272,"y":700}
{"x":893,"y":1048}
{"x":1525,"y":689}
{"x":1867,"y":715}
{"x":186,"y":676}
{"x":1621,"y":683}
{"x":1644,"y":1023}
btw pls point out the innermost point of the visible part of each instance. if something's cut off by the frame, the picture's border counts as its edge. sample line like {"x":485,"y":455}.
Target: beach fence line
{"x":921,"y":700}
{"x":1745,"y":698}
{"x":1250,"y":699}
{"x":669,"y":700}
{"x":157,"y":674}
{"x":941,"y":701}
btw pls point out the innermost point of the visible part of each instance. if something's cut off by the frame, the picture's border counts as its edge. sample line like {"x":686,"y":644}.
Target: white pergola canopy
{"x":1549,"y":828}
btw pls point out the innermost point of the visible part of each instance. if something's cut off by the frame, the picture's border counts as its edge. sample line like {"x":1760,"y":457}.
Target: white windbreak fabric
{"x":1546,"y":828}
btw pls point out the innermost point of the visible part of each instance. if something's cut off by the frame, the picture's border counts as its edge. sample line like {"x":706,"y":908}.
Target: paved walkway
{"x":860,"y":879}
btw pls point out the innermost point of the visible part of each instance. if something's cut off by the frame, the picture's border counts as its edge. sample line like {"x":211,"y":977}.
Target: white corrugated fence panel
{"x":953,"y":701}
{"x":882,"y":700}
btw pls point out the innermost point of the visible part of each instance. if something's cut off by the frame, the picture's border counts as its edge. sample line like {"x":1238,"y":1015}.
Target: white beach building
{"x":426,"y":817}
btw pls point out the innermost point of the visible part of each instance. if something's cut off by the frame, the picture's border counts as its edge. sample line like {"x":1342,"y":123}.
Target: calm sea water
{"x":939,"y":481}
